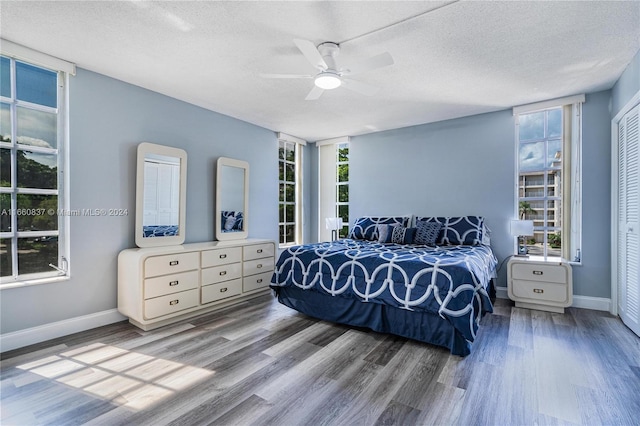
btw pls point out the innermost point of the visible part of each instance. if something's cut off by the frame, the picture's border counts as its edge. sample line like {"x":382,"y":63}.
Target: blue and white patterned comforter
{"x":450,"y":281}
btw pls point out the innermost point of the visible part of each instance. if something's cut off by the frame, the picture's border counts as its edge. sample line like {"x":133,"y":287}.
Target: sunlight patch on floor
{"x":124,"y":377}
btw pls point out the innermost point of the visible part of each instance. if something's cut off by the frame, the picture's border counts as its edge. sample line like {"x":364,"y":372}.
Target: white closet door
{"x":628,"y":265}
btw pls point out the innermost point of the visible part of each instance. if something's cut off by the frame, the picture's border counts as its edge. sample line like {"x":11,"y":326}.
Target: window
{"x":289,"y":206}
{"x":333,"y":182}
{"x":548,"y":191}
{"x":32,"y":147}
{"x":342,"y":187}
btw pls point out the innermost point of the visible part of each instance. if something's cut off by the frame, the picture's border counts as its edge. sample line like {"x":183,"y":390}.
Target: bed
{"x":435,"y":291}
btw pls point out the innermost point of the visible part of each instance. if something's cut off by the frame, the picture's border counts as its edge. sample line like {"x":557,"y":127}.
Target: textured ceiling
{"x":462,"y":58}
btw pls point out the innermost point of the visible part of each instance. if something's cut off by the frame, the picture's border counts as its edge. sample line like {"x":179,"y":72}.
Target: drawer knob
{"x":223,"y":289}
{"x":537,"y":272}
{"x":223,"y":256}
{"x":538,"y":290}
{"x":259,"y":265}
{"x":174,"y":302}
{"x":259,"y":281}
{"x":259,"y":250}
{"x":173,"y":263}
{"x":173,"y":283}
{"x":223,"y":272}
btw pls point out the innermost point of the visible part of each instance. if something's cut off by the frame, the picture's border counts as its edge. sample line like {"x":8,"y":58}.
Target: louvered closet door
{"x":629,"y":219}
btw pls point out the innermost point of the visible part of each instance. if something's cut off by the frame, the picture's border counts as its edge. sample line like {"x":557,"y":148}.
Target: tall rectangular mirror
{"x":232,"y":199}
{"x":161,"y":188}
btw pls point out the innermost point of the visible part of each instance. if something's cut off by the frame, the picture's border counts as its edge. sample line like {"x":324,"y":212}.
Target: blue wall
{"x":108,"y":119}
{"x":466,"y":166}
{"x":627,"y":85}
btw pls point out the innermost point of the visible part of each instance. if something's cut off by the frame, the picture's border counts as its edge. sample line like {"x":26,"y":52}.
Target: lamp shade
{"x":333,"y":223}
{"x":521,"y":227}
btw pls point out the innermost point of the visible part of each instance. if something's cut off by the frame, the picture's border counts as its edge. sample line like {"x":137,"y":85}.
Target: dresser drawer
{"x":258,"y":251}
{"x":221,"y":256}
{"x":536,"y":291}
{"x":167,"y":284}
{"x":171,"y":263}
{"x":257,"y":266}
{"x":165,"y":305}
{"x":536,"y":272}
{"x":221,"y":273}
{"x":211,"y":293}
{"x":255,"y":282}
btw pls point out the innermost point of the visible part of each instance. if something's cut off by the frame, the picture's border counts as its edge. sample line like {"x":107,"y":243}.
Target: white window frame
{"x":571,"y":171}
{"x":298,"y":144}
{"x":63,"y":69}
{"x":328,"y":182}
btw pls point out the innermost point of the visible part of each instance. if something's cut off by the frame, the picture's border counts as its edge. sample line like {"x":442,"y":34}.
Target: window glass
{"x":5,"y":216}
{"x":36,"y":170}
{"x":5,"y":123}
{"x":37,"y":212}
{"x":554,"y":154}
{"x":554,"y":125}
{"x":36,"y":85}
{"x":37,"y":128}
{"x":531,"y":126}
{"x":5,"y":77}
{"x":36,"y":254}
{"x":5,"y":167}
{"x":6,"y":260}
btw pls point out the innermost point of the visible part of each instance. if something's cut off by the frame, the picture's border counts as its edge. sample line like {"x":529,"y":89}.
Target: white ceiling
{"x":462,"y":58}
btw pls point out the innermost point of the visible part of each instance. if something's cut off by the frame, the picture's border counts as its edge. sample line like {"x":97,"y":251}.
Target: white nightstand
{"x":535,"y":283}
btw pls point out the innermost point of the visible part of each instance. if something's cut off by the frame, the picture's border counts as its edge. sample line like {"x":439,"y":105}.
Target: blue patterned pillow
{"x":366,"y":228}
{"x":427,"y":233}
{"x":463,"y":230}
{"x":402,"y":235}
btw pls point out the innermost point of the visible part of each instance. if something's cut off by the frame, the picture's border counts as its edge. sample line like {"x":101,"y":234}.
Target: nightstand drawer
{"x":538,"y":272}
{"x":540,"y":291}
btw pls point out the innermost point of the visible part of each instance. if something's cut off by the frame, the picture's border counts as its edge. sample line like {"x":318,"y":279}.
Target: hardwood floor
{"x":261,"y":363}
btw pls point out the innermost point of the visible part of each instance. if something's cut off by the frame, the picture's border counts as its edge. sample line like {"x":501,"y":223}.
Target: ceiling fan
{"x":330,"y":76}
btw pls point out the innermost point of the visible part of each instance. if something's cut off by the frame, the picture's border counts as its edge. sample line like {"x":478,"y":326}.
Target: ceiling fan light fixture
{"x":327,"y":80}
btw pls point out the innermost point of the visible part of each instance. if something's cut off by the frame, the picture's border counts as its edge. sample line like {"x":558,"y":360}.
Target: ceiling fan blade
{"x":310,"y":51}
{"x":359,"y":87}
{"x":379,"y":61}
{"x":285,"y":76}
{"x":314,"y":93}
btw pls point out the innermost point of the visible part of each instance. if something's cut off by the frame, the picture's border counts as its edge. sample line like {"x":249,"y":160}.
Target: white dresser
{"x":161,"y":285}
{"x":538,"y":284}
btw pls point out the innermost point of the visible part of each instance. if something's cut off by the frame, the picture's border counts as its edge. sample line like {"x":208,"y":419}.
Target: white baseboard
{"x":595,"y":303}
{"x":584,"y":302}
{"x":30,"y":336}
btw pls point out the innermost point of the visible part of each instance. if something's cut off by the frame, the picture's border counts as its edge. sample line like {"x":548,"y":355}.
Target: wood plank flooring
{"x":261,"y":363}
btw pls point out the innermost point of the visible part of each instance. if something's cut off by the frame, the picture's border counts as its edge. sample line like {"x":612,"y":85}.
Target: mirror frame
{"x":145,"y":148}
{"x":240,"y":235}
